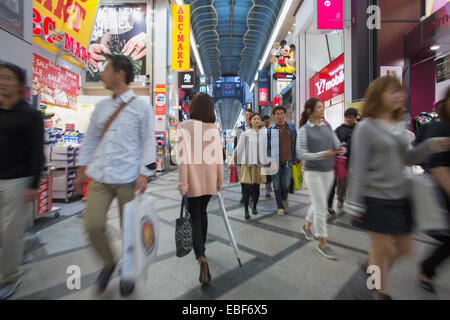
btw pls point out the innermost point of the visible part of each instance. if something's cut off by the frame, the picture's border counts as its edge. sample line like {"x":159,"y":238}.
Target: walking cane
{"x":228,"y":226}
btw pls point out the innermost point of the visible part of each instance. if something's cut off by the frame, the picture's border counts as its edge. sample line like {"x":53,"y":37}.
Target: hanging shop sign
{"x":330,"y":14}
{"x":55,"y":85}
{"x":181,"y":26}
{"x":63,"y":27}
{"x":186,"y":80}
{"x":263,"y":97}
{"x":443,"y":69}
{"x":160,"y":100}
{"x":329,"y":82}
{"x":11,"y":16}
{"x":119,"y":29}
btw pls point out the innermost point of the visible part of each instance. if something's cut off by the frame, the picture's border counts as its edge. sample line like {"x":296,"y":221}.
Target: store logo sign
{"x":329,"y":82}
{"x":263,"y":96}
{"x":160,"y":100}
{"x":181,"y":26}
{"x":330,"y":14}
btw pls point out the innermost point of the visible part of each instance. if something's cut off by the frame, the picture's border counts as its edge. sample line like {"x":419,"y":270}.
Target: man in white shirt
{"x":118,"y":161}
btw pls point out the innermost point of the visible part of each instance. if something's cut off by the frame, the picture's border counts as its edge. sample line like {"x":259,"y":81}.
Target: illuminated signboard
{"x":181,"y":26}
{"x":330,"y":14}
{"x":65,"y":25}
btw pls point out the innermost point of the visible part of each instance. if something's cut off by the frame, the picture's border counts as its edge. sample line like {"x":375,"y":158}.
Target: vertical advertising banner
{"x":160,"y":100}
{"x":330,"y":14}
{"x":69,"y":22}
{"x":119,"y":29}
{"x":181,"y":26}
{"x":263,"y":97}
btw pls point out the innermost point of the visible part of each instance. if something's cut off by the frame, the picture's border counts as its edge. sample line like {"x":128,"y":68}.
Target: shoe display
{"x":104,"y":277}
{"x":327,"y":252}
{"x":7,"y":290}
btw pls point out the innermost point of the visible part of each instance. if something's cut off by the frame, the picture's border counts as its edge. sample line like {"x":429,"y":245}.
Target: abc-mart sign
{"x":329,"y":82}
{"x":44,"y":27}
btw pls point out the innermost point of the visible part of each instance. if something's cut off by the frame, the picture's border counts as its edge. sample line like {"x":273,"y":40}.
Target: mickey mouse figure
{"x":286,"y":59}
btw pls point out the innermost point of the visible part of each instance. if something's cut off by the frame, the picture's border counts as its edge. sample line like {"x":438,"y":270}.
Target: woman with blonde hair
{"x":378,"y":194}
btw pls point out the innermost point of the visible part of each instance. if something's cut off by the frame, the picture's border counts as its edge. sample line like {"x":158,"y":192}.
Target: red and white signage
{"x":44,"y":200}
{"x":160,"y":100}
{"x":263,"y":96}
{"x":330,"y":14}
{"x":55,"y":85}
{"x":329,"y":82}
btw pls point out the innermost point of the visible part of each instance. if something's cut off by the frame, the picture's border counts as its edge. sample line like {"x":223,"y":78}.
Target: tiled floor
{"x":278,"y":263}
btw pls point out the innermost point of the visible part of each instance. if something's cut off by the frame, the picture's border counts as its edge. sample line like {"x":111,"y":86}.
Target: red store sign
{"x":330,"y":14}
{"x":263,"y":96}
{"x":329,"y":82}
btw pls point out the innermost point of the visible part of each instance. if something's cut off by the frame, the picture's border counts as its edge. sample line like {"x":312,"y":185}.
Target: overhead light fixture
{"x":180,"y":2}
{"x":251,"y":88}
{"x":281,"y":18}
{"x":196,"y":54}
{"x":434,"y":48}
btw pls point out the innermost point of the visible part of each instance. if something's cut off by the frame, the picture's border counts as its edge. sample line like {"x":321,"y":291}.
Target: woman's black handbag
{"x":183,"y":231}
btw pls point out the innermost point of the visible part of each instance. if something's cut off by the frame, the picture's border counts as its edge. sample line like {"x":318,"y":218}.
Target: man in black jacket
{"x":344,"y":133}
{"x":21,"y":162}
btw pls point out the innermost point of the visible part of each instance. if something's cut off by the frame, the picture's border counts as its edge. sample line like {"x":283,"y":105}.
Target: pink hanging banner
{"x":330,"y":14}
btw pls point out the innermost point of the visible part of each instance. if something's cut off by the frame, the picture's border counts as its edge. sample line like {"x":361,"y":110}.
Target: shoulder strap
{"x":114,"y":116}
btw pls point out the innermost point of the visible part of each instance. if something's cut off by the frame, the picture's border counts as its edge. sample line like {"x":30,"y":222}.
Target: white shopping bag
{"x":428,"y":205}
{"x":140,"y":236}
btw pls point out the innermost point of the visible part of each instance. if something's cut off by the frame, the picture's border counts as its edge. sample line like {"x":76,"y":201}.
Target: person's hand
{"x":136,"y":46}
{"x":141,"y":184}
{"x":30,"y":195}
{"x":96,"y":49}
{"x":341,"y":151}
{"x":444,"y":144}
{"x":273,"y":166}
{"x":329,"y":154}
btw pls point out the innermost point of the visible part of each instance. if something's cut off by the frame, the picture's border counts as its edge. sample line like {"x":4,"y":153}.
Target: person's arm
{"x":354,"y":205}
{"x":424,"y":150}
{"x":302,"y":148}
{"x":183,"y":159}
{"x":34,"y":137}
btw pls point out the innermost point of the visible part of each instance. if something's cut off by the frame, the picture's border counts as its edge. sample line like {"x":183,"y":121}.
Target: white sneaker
{"x":281,"y":212}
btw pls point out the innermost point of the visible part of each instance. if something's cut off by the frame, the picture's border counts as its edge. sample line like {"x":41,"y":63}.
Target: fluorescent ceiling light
{"x":280,"y":21}
{"x":251,"y":88}
{"x":434,"y":48}
{"x":196,"y":54}
{"x":180,"y":2}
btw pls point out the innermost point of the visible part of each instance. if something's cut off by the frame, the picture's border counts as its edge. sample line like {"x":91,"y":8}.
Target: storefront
{"x":328,"y":86}
{"x":428,"y":62}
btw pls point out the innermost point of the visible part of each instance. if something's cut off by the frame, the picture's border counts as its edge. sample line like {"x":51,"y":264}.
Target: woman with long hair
{"x":199,"y":180}
{"x":251,"y":146}
{"x":317,"y":146}
{"x":379,"y":189}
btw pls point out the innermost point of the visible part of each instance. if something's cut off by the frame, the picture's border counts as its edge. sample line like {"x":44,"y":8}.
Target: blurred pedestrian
{"x":344,"y":133}
{"x":21,"y":162}
{"x":378,"y":193}
{"x":267,"y":124}
{"x":285,"y":149}
{"x":200,"y":180}
{"x":240,"y":130}
{"x":317,"y":145}
{"x":248,"y":152}
{"x":118,"y":155}
{"x":439,"y":168}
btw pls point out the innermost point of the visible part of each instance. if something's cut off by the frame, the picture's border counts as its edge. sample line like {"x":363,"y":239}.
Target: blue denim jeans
{"x":282,"y":182}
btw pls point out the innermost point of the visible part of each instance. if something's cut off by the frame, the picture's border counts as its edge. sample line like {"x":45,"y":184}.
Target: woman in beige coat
{"x":200,"y":167}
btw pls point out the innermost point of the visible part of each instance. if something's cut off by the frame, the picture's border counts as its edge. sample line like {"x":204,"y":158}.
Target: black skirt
{"x":386,"y":216}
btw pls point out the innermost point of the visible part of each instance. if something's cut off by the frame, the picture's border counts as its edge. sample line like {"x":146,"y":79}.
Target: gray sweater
{"x":312,"y":141}
{"x":379,"y":158}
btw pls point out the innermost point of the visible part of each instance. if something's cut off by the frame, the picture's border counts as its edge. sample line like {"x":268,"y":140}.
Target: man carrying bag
{"x":119,"y":149}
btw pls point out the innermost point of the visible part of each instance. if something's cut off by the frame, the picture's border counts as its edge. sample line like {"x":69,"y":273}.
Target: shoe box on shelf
{"x":63,"y":187}
{"x":63,"y":156}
